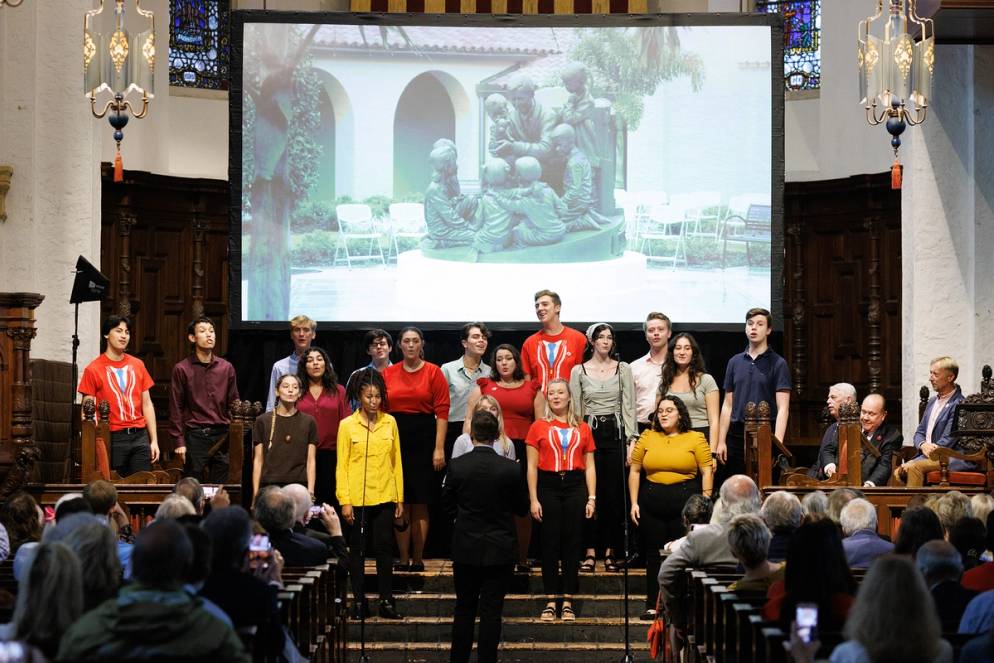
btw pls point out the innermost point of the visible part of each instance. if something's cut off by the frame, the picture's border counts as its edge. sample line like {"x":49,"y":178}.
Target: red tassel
{"x":118,"y":168}
{"x":896,"y":171}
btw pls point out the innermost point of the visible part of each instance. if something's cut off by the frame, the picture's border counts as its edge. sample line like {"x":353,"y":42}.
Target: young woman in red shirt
{"x":562,"y":487}
{"x":521,"y":402}
{"x":419,"y":401}
{"x":325,"y":400}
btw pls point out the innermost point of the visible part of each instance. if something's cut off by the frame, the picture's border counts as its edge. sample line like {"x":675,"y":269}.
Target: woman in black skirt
{"x":419,"y":401}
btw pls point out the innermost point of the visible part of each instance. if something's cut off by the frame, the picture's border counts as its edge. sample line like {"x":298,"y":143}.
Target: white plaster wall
{"x":948,"y":239}
{"x":48,"y":135}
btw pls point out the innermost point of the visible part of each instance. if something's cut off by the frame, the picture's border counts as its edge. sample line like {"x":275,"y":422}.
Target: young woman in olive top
{"x":685,"y":376}
{"x":677,"y":464}
{"x":285,"y":441}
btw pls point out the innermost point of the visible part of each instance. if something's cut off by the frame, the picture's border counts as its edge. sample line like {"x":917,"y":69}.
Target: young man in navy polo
{"x":758,"y":374}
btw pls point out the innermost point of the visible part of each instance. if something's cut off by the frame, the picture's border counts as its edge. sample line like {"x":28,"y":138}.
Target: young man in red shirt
{"x":554,"y":350}
{"x":202,"y":390}
{"x":123,"y":381}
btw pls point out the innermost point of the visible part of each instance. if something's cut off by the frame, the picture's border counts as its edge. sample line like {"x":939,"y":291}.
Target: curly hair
{"x":695,"y":370}
{"x":328,"y":379}
{"x":20,"y":516}
{"x":682,"y":426}
{"x":367,"y":377}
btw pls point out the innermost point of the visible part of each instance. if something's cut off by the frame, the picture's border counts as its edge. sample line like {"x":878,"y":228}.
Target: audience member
{"x":23,"y":520}
{"x":49,"y":601}
{"x":816,"y":572}
{"x":838,"y":499}
{"x":302,"y":333}
{"x":840,"y":393}
{"x":96,"y":548}
{"x":274,"y":509}
{"x":69,"y":507}
{"x":815,"y":504}
{"x":875,"y":470}
{"x":782,"y":513}
{"x":749,"y":539}
{"x":246,"y":594}
{"x":979,"y":649}
{"x":981,"y":505}
{"x":891,"y":620}
{"x":322,"y":525}
{"x":191,"y":489}
{"x":979,"y":614}
{"x":697,"y":511}
{"x":200,"y":567}
{"x":936,"y":425}
{"x":861,"y":542}
{"x":175,"y":506}
{"x":102,"y":497}
{"x":706,"y":546}
{"x":981,"y":578}
{"x":154,"y":619}
{"x":919,"y":525}
{"x":969,"y":537}
{"x":950,"y":507}
{"x":942,"y":567}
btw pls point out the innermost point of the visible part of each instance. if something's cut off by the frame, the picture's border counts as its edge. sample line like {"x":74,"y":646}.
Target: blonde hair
{"x":571,"y":417}
{"x":981,"y":504}
{"x":946,"y":363}
{"x":488,"y":399}
{"x":303,"y":321}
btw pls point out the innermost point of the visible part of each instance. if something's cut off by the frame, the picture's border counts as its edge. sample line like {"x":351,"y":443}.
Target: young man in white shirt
{"x":647,"y":371}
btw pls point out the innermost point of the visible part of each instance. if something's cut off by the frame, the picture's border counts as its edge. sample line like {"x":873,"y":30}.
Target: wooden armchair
{"x":759,"y":444}
{"x":851,"y":442}
{"x":973,"y":428}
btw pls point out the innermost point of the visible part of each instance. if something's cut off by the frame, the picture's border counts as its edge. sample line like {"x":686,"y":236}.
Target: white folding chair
{"x":356,"y":225}
{"x":407,"y":221}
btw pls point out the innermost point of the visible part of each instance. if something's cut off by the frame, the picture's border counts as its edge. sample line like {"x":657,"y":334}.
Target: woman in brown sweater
{"x":285,"y":441}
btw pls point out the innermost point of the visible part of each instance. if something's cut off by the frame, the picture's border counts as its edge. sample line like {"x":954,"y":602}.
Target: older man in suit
{"x":840,"y":393}
{"x":859,"y":525}
{"x":482,"y":490}
{"x":935,"y":427}
{"x":705,"y":546}
{"x":887,"y":439}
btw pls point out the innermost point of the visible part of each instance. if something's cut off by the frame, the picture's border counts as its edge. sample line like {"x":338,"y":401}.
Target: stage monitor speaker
{"x":90,"y":285}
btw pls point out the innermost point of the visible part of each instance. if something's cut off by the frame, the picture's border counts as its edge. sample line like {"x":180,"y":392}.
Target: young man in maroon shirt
{"x":202,"y":390}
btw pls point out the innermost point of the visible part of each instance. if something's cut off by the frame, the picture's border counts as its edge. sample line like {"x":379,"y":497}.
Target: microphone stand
{"x":73,"y":425}
{"x":627,"y":657}
{"x":363,"y":657}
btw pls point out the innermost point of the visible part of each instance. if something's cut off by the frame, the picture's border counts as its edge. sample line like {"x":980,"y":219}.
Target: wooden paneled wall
{"x":842,"y":297}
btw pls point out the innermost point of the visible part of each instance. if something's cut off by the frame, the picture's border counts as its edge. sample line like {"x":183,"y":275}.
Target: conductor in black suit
{"x":482,"y":491}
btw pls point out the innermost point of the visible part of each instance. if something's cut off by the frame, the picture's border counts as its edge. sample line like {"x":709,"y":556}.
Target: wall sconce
{"x":119,"y":65}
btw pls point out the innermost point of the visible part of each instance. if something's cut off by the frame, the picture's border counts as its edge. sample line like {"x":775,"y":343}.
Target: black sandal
{"x":588,"y":564}
{"x":610,"y":564}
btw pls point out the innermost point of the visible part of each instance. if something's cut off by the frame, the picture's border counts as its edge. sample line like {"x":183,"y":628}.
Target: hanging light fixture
{"x":895,"y":71}
{"x":119,"y":65}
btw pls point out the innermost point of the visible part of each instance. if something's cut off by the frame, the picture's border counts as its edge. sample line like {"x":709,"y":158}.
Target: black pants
{"x":199,"y":442}
{"x":478,"y":588}
{"x":130,"y":451}
{"x":324,"y":477}
{"x":379,"y":543}
{"x":735,"y":441}
{"x":563,"y":498}
{"x":606,"y":529}
{"x":660,"y":508}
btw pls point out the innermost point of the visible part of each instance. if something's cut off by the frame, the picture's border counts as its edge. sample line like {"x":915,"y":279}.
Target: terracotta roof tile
{"x":532,"y":41}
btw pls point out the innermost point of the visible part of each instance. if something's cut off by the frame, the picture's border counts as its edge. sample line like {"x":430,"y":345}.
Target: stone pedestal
{"x":50,"y":138}
{"x":948,"y":225}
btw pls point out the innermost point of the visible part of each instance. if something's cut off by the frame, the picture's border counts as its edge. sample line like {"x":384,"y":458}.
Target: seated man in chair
{"x":875,"y":470}
{"x":936,"y":425}
{"x":840,"y":393}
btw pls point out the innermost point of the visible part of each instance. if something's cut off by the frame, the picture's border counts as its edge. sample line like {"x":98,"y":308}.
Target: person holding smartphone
{"x":370,"y":487}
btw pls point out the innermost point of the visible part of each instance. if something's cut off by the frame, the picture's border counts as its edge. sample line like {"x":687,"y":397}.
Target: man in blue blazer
{"x":936,"y":425}
{"x":482,"y":490}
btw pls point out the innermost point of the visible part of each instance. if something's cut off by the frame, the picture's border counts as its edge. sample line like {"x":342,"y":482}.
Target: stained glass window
{"x":199,"y":40}
{"x":801,"y":41}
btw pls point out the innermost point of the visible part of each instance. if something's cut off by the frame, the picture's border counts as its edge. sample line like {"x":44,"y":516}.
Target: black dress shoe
{"x":648,"y":616}
{"x":387,"y":611}
{"x":359,"y":611}
{"x":417,"y":567}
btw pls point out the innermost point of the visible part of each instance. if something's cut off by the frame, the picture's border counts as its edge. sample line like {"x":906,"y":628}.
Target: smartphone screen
{"x":806,"y":618}
{"x":259,"y":552}
{"x":316,"y":510}
{"x":210,"y":492}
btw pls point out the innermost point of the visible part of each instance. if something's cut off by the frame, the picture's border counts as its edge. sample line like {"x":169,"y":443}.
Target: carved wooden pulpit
{"x":17,"y":450}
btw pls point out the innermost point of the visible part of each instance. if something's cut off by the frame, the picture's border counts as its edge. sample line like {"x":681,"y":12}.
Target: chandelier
{"x":895,"y":71}
{"x":116,"y":66}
